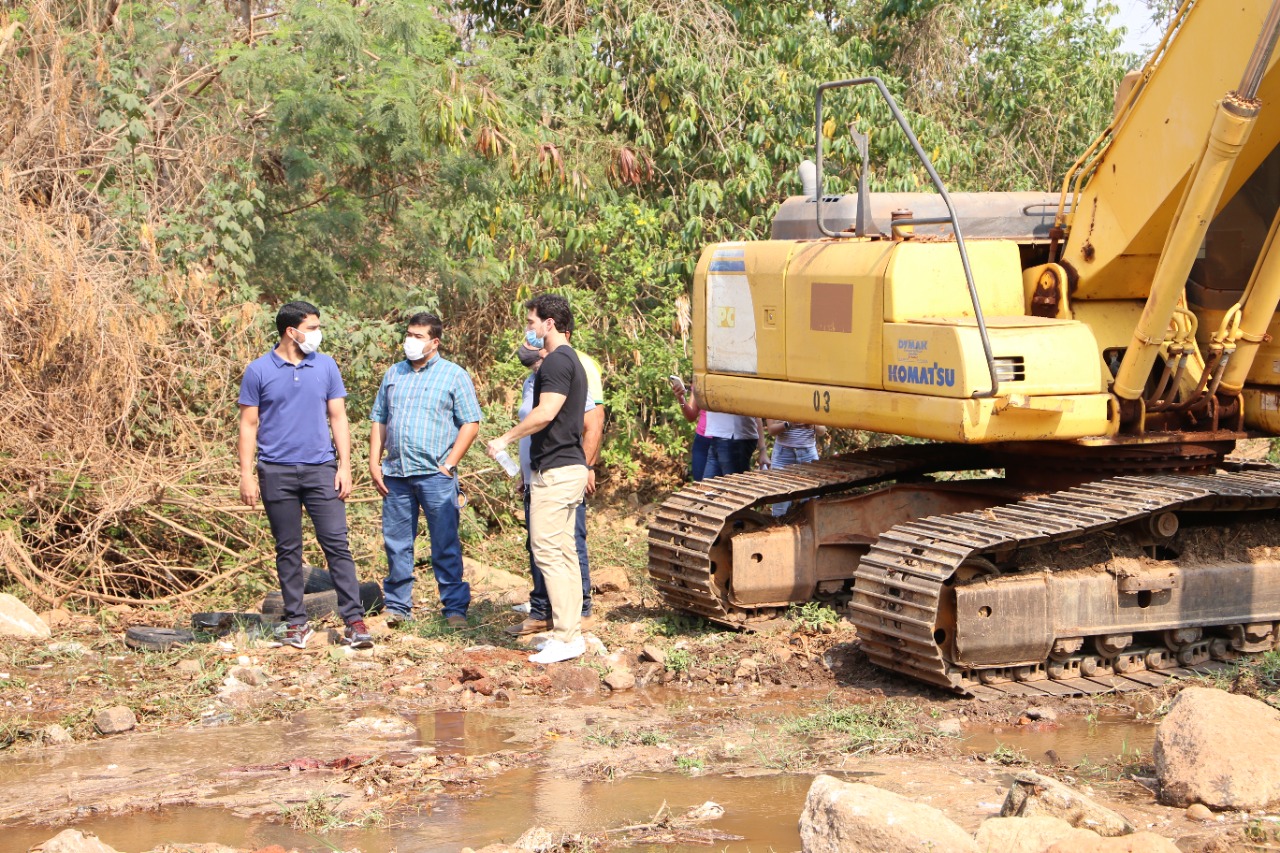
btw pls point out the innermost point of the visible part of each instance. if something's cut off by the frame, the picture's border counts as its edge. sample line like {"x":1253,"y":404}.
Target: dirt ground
{"x":235,"y":725}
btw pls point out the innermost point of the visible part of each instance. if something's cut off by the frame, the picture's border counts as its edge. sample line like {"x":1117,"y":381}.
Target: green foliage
{"x":594,"y":148}
{"x":679,"y":660}
{"x":460,"y":155}
{"x":682,"y":624}
{"x":221,"y":231}
{"x":888,"y":726}
{"x":812,"y":615}
{"x":1009,"y":756}
{"x":319,"y":814}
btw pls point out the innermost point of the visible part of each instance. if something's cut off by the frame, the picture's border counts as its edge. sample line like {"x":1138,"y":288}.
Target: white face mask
{"x":310,"y":342}
{"x":414,"y":348}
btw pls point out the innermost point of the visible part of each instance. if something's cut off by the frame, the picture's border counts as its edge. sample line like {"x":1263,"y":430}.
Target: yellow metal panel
{"x":740,"y":288}
{"x":699,"y":330}
{"x":944,"y":419}
{"x":926,"y":280}
{"x":1266,"y":365}
{"x":945,"y":358}
{"x":833,"y":311}
{"x":1262,"y":409}
{"x":767,"y":263}
{"x":1112,"y":322}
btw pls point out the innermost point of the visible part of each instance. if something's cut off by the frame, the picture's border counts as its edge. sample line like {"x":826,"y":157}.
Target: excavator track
{"x":898,"y":586}
{"x":688,"y":526}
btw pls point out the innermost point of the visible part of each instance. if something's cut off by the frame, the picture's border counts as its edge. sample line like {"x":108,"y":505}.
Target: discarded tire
{"x":315,"y":579}
{"x":320,"y":604}
{"x":156,"y":639}
{"x":222,"y":623}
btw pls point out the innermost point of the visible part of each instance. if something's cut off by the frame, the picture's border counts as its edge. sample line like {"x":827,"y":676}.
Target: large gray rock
{"x":1218,"y":749}
{"x":73,"y":841}
{"x":850,"y":817}
{"x":19,"y":620}
{"x":1033,"y":795}
{"x":1139,"y":842}
{"x":1026,"y":834}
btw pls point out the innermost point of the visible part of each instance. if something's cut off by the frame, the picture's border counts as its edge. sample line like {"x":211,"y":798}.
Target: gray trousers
{"x":286,"y":489}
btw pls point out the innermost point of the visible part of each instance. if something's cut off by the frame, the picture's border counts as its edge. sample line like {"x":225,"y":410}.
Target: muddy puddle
{"x":1071,"y":741}
{"x":212,"y":750}
{"x":762,"y":809}
{"x":203,"y":765}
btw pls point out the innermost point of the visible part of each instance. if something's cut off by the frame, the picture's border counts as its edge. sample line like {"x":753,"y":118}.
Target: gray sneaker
{"x":395,"y":618}
{"x":357,"y":636}
{"x":297,"y":635}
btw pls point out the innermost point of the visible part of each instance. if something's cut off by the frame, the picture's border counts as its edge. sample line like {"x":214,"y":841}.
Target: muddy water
{"x":1073,"y":741}
{"x":763,"y":810}
{"x":213,"y":750}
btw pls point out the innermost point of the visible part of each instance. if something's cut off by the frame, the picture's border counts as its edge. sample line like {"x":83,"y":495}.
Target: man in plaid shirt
{"x":424,"y":418}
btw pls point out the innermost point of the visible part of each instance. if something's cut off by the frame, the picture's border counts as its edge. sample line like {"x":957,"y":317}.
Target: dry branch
{"x":112,"y":402}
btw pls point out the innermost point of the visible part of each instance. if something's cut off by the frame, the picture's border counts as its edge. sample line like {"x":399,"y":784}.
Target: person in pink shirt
{"x":689,"y":408}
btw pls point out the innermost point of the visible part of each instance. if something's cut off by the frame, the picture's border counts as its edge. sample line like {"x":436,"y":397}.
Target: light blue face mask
{"x":533,"y":340}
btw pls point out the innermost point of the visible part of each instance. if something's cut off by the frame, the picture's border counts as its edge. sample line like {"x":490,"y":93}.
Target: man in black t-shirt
{"x":559,"y":472}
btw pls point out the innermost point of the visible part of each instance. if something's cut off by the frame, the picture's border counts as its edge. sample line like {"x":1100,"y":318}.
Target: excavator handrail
{"x":938,"y":185}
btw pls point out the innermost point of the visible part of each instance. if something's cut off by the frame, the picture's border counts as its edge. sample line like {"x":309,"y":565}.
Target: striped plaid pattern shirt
{"x":423,"y":411}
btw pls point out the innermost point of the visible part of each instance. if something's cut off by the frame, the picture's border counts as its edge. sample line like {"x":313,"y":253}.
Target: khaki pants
{"x":554,"y":496}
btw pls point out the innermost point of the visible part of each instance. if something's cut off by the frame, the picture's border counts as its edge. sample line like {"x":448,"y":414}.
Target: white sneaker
{"x":555,"y":651}
{"x":521,"y":608}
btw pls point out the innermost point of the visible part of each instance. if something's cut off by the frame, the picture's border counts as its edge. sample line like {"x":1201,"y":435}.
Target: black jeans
{"x":286,"y":489}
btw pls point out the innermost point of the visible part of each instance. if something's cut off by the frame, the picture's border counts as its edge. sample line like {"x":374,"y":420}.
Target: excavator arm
{"x":1186,"y":137}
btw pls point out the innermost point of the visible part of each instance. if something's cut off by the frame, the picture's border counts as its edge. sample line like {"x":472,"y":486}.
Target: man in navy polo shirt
{"x":290,"y":400}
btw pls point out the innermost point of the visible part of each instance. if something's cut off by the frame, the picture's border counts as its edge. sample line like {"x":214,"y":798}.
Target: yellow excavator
{"x":1071,"y":371}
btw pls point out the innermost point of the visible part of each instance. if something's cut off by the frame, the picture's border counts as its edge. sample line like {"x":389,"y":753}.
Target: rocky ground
{"x":659,"y":693}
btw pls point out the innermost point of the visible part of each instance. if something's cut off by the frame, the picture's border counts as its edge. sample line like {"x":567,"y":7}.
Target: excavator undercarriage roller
{"x":1006,"y":599}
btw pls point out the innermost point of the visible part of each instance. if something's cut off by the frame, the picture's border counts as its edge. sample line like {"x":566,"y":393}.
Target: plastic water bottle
{"x":508,"y":464}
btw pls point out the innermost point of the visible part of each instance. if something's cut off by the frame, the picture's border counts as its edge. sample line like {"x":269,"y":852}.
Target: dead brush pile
{"x":116,"y":473}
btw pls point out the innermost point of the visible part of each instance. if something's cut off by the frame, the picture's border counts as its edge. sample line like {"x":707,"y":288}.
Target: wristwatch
{"x":448,"y":469}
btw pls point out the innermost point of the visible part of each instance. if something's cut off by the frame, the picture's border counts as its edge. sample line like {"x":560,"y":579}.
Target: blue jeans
{"x":539,"y":601}
{"x":784,"y":456}
{"x":699,"y":457}
{"x":437,"y":496}
{"x":728,"y":456}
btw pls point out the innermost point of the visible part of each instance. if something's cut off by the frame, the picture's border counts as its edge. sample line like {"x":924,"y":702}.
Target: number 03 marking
{"x":822,"y":401}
